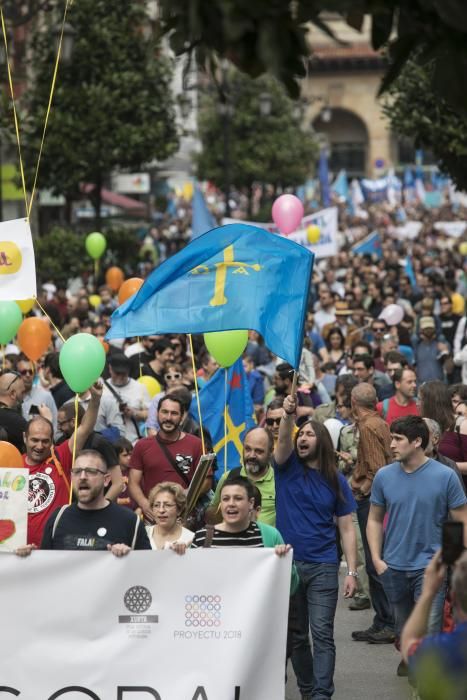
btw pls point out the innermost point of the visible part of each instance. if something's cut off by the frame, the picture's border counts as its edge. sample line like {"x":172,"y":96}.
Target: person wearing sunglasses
{"x":11,"y":395}
{"x":92,"y":522}
{"x":35,"y":395}
{"x":173,"y":379}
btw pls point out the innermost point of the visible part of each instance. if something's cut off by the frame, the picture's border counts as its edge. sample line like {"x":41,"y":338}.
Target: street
{"x":363,"y":671}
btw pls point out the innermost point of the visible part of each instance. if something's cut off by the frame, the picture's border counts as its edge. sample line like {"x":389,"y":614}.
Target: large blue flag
{"x":237,"y":411}
{"x":233,"y":277}
{"x":201,"y":220}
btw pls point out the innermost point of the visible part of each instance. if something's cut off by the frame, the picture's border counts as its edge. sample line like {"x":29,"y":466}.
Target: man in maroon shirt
{"x":170,"y":455}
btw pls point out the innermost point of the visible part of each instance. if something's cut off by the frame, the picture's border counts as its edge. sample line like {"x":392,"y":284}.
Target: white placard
{"x":210,"y":625}
{"x":13,"y":508}
{"x":132,"y":183}
{"x":409,"y":230}
{"x":17,"y":264}
{"x":451,"y":228}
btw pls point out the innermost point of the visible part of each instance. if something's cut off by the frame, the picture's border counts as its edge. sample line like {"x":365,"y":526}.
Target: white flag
{"x":17,"y":264}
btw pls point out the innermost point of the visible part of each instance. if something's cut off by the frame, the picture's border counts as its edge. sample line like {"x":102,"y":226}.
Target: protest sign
{"x":408,"y":231}
{"x":17,"y":265}
{"x":13,"y":508}
{"x":325,"y":219}
{"x":210,"y":625}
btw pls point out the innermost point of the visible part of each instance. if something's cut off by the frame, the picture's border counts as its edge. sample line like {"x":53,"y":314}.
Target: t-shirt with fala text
{"x":80,"y":529}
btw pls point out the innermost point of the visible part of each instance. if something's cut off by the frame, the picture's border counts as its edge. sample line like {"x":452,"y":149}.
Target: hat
{"x":119,"y":362}
{"x":342,"y":308}
{"x":427,"y":322}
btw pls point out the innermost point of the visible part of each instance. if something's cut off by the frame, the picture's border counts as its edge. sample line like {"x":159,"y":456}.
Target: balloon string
{"x":197,"y":393}
{"x":49,"y":107}
{"x":51,"y":322}
{"x":4,"y":358}
{"x":73,"y":454}
{"x":15,"y":114}
{"x":96,"y":270}
{"x":139,"y":360}
{"x":225,"y":421}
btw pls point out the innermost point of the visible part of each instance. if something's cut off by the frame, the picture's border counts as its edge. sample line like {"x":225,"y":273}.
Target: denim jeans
{"x":403,"y":589}
{"x":383,"y":613}
{"x":316,"y":602}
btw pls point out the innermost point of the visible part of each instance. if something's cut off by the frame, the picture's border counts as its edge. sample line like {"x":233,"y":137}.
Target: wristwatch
{"x":352,"y":573}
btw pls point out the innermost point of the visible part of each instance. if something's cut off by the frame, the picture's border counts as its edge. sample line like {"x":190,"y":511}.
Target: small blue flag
{"x":371,"y":245}
{"x":409,"y":271}
{"x":340,"y":186}
{"x":202,"y":220}
{"x":232,"y":278}
{"x":237,"y":410}
{"x":323,"y":174}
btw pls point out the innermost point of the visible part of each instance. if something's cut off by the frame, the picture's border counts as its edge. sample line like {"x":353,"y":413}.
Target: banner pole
{"x":197,"y":393}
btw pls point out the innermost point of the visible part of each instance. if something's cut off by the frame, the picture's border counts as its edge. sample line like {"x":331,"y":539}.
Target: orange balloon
{"x":34,"y":336}
{"x":128,"y":288}
{"x":105,"y":345}
{"x":10,"y":456}
{"x":114,"y":278}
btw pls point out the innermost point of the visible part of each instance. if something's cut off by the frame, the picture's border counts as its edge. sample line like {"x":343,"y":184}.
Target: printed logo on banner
{"x":138,"y":600}
{"x":203,"y":610}
{"x":41,"y":492}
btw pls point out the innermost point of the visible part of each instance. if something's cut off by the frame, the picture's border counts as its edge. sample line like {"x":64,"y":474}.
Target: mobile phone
{"x":452,"y":542}
{"x":34,"y":410}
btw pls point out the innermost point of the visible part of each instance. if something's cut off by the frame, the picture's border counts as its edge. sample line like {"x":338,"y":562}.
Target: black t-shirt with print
{"x":94,"y":529}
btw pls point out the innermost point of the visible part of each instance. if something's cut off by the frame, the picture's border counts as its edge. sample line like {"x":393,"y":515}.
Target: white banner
{"x":13,"y":508}
{"x":17,"y":265}
{"x":132,"y":183}
{"x":409,"y":230}
{"x":451,"y":228}
{"x":210,"y":625}
{"x":326,"y":219}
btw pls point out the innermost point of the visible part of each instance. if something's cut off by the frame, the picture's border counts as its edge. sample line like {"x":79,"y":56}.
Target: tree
{"x":112,"y":106}
{"x":269,"y":149}
{"x":271,"y":36}
{"x":414,"y":110}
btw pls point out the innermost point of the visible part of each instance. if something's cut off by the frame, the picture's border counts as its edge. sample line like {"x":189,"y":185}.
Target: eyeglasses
{"x":163,"y":506}
{"x":88,"y":471}
{"x":379,"y":330}
{"x":23,"y":372}
{"x":175,"y":375}
{"x":273,"y":421}
{"x":61,"y":423}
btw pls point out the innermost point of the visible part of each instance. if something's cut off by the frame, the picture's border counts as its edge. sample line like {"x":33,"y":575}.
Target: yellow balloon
{"x":188,"y":191}
{"x":151,"y":384}
{"x":313,"y":233}
{"x":26,"y":305}
{"x":95,"y":300}
{"x":463,"y":248}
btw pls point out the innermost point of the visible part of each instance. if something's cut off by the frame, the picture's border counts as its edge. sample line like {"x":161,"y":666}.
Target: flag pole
{"x":294,"y":383}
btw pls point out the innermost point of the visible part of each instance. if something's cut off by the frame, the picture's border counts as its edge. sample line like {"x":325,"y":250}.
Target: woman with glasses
{"x":173,"y":378}
{"x":168,"y":501}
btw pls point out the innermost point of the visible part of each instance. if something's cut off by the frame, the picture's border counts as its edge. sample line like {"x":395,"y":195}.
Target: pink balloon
{"x":392,"y":314}
{"x":287,"y":213}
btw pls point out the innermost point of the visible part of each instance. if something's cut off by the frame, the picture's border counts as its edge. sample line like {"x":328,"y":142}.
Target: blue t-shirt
{"x":305,"y":510}
{"x":417,"y":505}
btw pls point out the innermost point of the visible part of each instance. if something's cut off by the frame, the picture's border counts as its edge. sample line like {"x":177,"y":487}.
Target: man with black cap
{"x":132,"y":397}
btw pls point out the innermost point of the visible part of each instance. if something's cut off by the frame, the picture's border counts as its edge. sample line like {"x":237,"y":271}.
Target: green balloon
{"x":226,"y":346}
{"x":10,"y":320}
{"x":81,"y":359}
{"x":96,"y":244}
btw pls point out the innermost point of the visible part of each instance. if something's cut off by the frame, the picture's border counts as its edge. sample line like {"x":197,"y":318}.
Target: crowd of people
{"x":363,"y":463}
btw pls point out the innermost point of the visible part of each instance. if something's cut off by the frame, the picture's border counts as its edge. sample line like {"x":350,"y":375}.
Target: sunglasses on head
{"x":17,"y":376}
{"x":174,"y":375}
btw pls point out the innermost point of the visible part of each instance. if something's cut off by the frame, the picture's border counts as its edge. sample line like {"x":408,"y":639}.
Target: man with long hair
{"x":311,"y":496}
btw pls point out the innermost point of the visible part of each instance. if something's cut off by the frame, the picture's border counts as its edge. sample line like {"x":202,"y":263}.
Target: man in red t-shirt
{"x":49,"y":466}
{"x":402,"y":403}
{"x":171,"y":455}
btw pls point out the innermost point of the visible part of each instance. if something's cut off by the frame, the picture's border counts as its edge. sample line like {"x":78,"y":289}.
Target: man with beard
{"x":93,"y":522}
{"x":169,"y":455}
{"x":258,"y":447}
{"x":312,"y":499}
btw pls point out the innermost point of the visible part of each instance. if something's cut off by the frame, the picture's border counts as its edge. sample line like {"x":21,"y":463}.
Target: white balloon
{"x":392,"y":314}
{"x":334,"y":427}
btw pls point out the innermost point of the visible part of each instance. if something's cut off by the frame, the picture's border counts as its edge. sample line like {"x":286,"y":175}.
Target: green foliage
{"x":269,"y":149}
{"x":270,"y":36}
{"x":112,"y":105}
{"x":414,"y":110}
{"x":62,"y":253}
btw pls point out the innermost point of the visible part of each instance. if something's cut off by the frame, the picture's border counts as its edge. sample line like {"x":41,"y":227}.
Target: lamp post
{"x":68,"y":41}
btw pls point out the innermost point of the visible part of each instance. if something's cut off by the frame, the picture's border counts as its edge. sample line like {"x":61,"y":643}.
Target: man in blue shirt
{"x":311,"y":497}
{"x":417,"y":494}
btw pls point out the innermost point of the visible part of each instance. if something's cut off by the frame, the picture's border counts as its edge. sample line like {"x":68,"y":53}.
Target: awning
{"x":118,"y":200}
